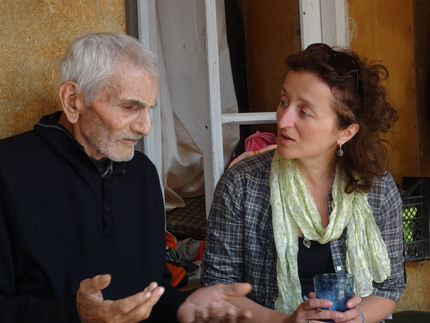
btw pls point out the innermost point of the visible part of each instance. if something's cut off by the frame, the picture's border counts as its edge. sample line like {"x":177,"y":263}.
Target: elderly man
{"x":81,"y":213}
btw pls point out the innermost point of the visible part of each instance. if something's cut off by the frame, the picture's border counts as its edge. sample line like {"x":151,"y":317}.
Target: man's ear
{"x":68,"y":93}
{"x":347,"y":134}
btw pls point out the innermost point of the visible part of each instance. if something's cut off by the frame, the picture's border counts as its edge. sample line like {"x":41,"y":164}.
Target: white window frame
{"x":320,"y":21}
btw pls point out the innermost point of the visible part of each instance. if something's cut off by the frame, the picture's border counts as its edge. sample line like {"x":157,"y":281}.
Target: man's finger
{"x":131,"y":303}
{"x":89,"y":291}
{"x":142,"y":310}
{"x":95,"y":284}
{"x":151,"y":287}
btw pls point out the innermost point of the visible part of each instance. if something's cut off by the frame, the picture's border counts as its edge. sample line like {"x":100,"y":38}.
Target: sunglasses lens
{"x":318,"y":45}
{"x":343,"y":64}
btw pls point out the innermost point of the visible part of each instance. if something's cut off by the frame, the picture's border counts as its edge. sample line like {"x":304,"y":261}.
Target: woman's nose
{"x":285,"y":117}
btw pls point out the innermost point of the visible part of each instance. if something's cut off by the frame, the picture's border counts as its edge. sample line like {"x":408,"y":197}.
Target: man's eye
{"x":129,"y":106}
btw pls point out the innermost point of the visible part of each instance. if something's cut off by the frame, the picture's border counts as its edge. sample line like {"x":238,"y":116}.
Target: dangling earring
{"x":340,"y":151}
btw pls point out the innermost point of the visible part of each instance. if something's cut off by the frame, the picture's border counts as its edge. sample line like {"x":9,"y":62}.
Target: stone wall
{"x":33,"y":38}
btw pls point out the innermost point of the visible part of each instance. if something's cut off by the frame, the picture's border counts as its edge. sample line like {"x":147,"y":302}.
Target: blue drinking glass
{"x":338,"y":288}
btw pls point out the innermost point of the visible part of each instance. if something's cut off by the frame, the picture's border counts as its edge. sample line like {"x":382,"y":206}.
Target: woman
{"x":321,"y":202}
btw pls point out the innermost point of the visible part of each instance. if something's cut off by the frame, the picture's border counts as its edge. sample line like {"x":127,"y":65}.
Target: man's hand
{"x":93,"y":308}
{"x":211,"y":304}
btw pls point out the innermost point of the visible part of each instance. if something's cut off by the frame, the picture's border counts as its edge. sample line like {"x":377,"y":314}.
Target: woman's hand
{"x":354,"y":312}
{"x":312,"y":311}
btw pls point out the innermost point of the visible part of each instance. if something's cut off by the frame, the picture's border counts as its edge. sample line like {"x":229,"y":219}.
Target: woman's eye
{"x":284,"y":103}
{"x":305,"y":112}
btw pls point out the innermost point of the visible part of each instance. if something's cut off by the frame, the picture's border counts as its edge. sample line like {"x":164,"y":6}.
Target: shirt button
{"x":338,"y":268}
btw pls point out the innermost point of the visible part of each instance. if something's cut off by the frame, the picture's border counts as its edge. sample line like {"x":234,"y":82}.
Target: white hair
{"x":90,"y":60}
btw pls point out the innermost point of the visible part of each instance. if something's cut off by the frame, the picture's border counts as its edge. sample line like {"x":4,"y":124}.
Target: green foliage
{"x":409,"y":213}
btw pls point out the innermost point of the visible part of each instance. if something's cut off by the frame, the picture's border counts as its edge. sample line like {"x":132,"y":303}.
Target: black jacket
{"x":61,"y":222}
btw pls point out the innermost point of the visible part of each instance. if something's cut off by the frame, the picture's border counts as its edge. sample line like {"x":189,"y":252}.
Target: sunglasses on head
{"x":342,"y":63}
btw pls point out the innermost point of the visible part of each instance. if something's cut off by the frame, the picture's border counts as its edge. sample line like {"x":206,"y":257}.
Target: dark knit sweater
{"x":62,"y":222}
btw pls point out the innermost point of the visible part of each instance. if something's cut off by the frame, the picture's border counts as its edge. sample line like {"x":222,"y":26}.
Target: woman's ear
{"x":347,"y":134}
{"x":68,"y":93}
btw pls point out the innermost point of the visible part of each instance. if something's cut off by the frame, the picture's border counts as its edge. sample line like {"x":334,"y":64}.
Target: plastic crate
{"x":416,"y":218}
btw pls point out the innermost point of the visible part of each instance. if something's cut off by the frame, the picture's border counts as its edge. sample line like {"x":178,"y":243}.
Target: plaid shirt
{"x":240,"y":247}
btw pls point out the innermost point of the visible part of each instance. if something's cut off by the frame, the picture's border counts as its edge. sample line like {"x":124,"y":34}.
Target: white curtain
{"x":184,"y":95}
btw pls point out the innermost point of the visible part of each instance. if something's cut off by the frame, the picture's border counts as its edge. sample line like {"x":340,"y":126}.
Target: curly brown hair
{"x":361,"y":99}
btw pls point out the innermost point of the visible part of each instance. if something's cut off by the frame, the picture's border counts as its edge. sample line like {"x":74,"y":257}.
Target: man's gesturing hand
{"x":93,"y":308}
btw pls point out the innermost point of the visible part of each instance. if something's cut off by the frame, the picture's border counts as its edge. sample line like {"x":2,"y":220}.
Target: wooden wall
{"x":396,"y":32}
{"x":272,"y":31}
{"x":422,"y":81}
{"x":33,"y":38}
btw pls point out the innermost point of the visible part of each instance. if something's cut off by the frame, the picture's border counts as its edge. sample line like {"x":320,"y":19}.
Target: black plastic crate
{"x":416,"y":217}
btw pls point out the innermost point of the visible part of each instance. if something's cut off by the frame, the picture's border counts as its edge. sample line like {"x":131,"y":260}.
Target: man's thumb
{"x":100,"y":282}
{"x":238,"y":289}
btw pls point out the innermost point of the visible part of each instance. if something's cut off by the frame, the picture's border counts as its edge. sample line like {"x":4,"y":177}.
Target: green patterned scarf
{"x":293,"y":207}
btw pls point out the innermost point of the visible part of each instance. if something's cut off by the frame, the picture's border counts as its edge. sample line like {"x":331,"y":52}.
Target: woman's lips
{"x":286,"y":138}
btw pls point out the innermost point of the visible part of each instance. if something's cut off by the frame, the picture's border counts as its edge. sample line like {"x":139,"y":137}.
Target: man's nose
{"x":142,"y":124}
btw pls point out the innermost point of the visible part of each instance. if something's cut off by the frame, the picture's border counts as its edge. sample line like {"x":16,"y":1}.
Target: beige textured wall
{"x":417,"y":293}
{"x":33,"y":37}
